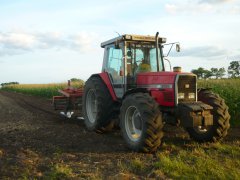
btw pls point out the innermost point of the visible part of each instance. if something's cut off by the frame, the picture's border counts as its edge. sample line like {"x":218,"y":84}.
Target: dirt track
{"x":34,"y":138}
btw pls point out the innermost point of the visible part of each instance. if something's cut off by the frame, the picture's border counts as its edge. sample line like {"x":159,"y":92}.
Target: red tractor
{"x":135,"y":92}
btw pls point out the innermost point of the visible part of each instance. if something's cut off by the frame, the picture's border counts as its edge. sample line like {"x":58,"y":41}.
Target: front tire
{"x":221,"y":119}
{"x":141,"y":122}
{"x":97,"y":105}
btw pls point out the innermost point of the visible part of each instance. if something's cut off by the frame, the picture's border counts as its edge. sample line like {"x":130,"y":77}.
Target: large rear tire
{"x":141,"y":122}
{"x":97,"y":105}
{"x":221,"y":119}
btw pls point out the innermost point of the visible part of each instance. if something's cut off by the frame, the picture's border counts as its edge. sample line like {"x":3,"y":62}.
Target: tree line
{"x":233,"y":71}
{"x":9,"y":83}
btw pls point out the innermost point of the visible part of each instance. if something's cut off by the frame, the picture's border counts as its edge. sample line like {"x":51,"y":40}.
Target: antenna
{"x":117,"y":33}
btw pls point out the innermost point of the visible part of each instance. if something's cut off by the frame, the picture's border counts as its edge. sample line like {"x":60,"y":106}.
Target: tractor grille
{"x":186,"y":86}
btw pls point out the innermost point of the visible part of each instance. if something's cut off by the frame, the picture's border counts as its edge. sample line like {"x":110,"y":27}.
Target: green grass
{"x":137,"y":165}
{"x":216,"y":162}
{"x":228,"y":89}
{"x":189,"y":161}
{"x":60,"y":171}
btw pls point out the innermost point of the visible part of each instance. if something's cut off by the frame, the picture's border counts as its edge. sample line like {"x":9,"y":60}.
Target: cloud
{"x":6,"y":51}
{"x":188,"y":8}
{"x":234,"y":57}
{"x":17,"y":40}
{"x":14,"y":43}
{"x":82,"y":41}
{"x":235,"y":9}
{"x":50,"y":40}
{"x":202,"y":52}
{"x":215,"y":1}
{"x":203,"y":6}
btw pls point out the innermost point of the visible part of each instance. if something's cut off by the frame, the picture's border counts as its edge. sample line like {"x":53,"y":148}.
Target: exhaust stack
{"x":156,"y":44}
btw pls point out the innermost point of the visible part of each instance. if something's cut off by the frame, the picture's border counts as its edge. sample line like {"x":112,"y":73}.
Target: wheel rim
{"x":133,"y":123}
{"x":91,"y":105}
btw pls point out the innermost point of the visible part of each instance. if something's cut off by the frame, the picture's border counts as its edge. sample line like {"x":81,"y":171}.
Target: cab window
{"x":115,"y":59}
{"x":115,"y":64}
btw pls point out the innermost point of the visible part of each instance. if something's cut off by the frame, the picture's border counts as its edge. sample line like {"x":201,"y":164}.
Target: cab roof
{"x":132,"y":37}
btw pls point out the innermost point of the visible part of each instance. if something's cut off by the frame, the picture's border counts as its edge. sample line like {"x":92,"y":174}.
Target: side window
{"x":115,"y":59}
{"x":153,"y":61}
{"x":114,"y":64}
{"x":139,"y":56}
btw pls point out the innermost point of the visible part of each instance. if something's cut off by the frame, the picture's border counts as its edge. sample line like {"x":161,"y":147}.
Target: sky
{"x":53,"y":41}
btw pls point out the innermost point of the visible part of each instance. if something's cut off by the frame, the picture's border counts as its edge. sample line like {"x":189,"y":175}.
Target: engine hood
{"x":151,"y":78}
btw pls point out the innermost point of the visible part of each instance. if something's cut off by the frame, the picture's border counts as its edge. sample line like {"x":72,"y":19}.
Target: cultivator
{"x":69,"y":102}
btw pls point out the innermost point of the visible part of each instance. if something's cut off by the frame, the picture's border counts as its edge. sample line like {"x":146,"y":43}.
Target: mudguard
{"x":105,"y":78}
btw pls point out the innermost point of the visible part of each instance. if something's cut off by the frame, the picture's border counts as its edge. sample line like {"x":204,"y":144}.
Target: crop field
{"x":228,"y":89}
{"x":41,"y":90}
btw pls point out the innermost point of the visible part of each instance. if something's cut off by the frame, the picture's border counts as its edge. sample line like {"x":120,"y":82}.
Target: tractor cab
{"x":128,"y":55}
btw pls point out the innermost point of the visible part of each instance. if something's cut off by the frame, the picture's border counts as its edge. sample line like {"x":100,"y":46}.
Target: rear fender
{"x":106,"y":80}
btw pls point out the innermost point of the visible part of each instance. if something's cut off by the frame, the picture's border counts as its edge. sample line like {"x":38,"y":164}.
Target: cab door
{"x":114,"y":67}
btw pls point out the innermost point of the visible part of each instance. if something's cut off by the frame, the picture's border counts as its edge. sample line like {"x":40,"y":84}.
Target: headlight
{"x":180,"y":95}
{"x":191,"y":95}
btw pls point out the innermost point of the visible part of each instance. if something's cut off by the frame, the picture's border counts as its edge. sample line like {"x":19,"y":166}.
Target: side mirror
{"x":178,"y":47}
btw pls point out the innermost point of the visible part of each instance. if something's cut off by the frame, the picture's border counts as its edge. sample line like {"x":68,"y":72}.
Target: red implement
{"x":70,"y":100}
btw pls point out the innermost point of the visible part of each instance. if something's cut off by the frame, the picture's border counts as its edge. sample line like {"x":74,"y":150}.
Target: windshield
{"x":142,"y":57}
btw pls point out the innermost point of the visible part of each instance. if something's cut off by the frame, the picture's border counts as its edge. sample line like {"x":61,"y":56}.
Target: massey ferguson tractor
{"x":135,"y":92}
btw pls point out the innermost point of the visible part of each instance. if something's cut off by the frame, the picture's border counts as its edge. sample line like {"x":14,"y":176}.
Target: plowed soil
{"x":36,"y":142}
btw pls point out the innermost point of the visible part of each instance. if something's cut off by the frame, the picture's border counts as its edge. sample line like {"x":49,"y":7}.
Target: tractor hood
{"x":162,"y":79}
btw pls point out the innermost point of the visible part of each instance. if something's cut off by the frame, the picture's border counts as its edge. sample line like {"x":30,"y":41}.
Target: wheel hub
{"x":133,"y":123}
{"x":91,"y":105}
